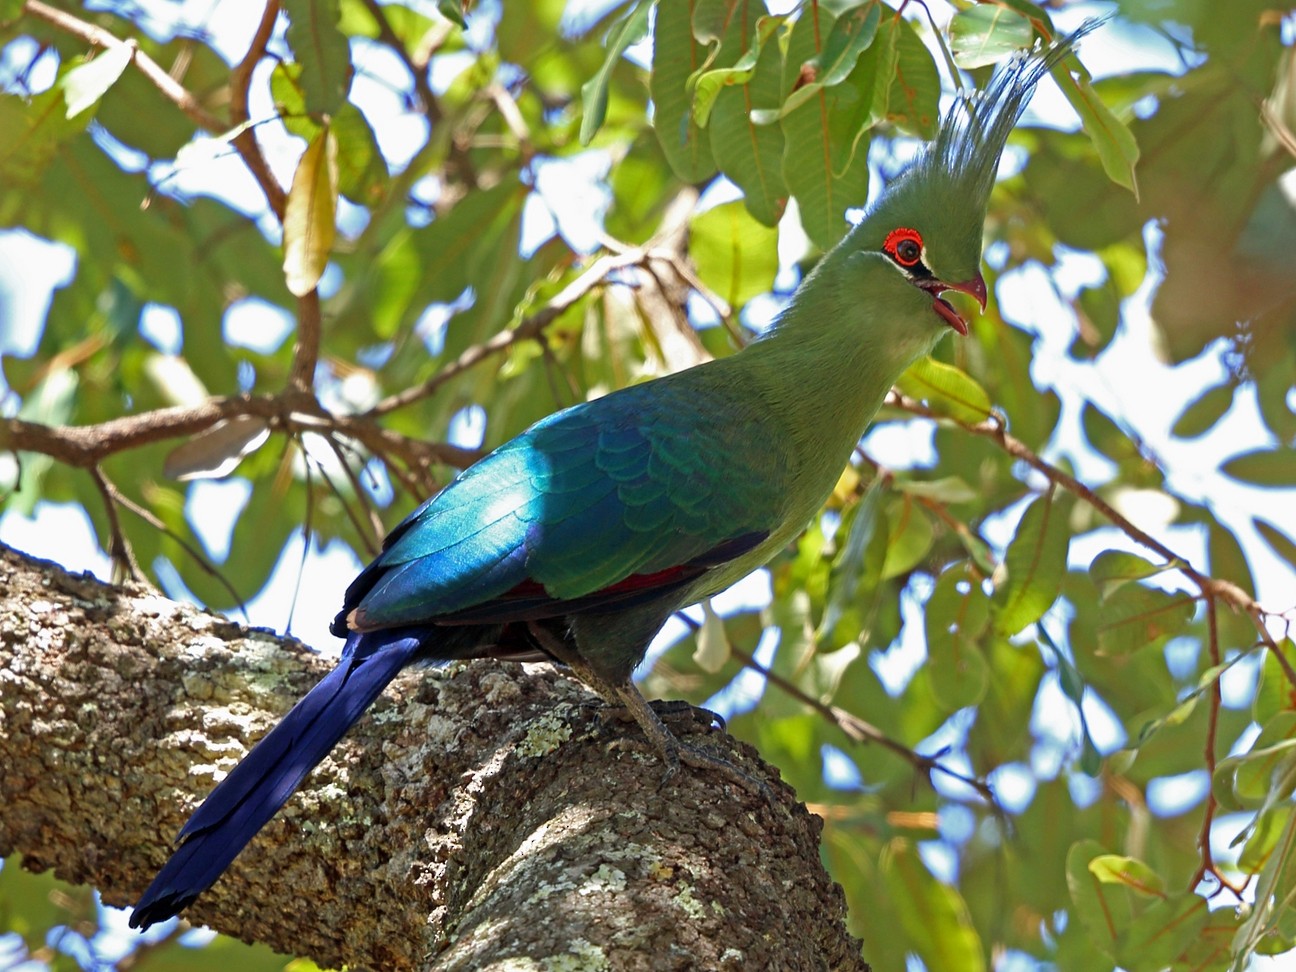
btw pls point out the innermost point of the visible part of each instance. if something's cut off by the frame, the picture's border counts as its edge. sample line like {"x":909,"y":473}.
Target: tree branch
{"x":171,"y":89}
{"x":85,"y":445}
{"x":245,"y":142}
{"x":1210,"y":587}
{"x":479,"y":812}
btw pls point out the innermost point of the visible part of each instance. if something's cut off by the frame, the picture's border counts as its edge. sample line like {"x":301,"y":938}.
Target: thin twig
{"x":245,"y":142}
{"x":866,"y":732}
{"x":1207,"y":865}
{"x":119,"y":548}
{"x":372,"y":540}
{"x":207,"y":567}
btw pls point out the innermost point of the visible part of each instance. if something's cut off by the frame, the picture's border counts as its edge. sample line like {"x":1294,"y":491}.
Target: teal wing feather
{"x":632,"y":493}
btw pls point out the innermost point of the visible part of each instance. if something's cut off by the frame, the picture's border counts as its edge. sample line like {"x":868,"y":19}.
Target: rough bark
{"x":478,"y":814}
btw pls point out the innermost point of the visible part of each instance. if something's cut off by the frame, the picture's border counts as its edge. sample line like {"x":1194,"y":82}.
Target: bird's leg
{"x":624,"y":694}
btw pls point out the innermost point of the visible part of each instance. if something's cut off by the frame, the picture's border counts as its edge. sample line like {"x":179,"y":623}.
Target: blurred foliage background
{"x":1031,"y":665}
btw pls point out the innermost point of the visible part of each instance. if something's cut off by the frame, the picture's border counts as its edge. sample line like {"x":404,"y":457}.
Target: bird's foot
{"x":668,"y":710}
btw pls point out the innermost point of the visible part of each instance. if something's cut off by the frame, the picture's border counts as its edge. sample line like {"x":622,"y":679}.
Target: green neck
{"x":837,"y":349}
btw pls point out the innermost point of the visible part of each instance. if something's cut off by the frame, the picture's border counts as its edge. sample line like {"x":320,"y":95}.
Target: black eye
{"x":907,"y":252}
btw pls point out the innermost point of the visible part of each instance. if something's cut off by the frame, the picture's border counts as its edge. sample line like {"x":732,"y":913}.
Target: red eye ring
{"x":904,"y":245}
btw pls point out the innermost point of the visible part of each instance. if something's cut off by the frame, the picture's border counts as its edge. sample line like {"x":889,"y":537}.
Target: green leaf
{"x":959,"y":672}
{"x":362,"y":168}
{"x":83,"y":86}
{"x":948,"y":489}
{"x":849,"y":565}
{"x":986,"y":34}
{"x":851,"y":36}
{"x":1128,"y":871}
{"x":290,"y":100}
{"x":1161,"y":932}
{"x":1280,"y":542}
{"x":31,"y":132}
{"x":710,"y":84}
{"x":1113,"y":568}
{"x":1275,"y":693}
{"x":323,"y":53}
{"x":675,"y":54}
{"x":1274,"y":467}
{"x":946,"y":389}
{"x":310,"y":215}
{"x":1264,"y":838}
{"x":1200,"y":417}
{"x":749,"y":154}
{"x":1135,"y":617}
{"x":933,"y":915}
{"x":1274,"y":885}
{"x":914,"y":95}
{"x":908,"y":541}
{"x":825,"y":148}
{"x":1111,"y":137}
{"x":594,"y":92}
{"x":735,"y":256}
{"x":452,"y":10}
{"x":1036,"y":564}
{"x":1104,"y":908}
{"x":1268,"y":763}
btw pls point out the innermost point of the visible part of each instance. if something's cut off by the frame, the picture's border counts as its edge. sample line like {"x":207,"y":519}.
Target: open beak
{"x":976,"y":287}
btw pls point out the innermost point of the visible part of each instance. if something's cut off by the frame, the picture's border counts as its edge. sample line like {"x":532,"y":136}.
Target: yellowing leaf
{"x":311,"y":213}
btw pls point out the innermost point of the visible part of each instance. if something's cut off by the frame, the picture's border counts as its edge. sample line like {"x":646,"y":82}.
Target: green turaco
{"x":576,"y":541}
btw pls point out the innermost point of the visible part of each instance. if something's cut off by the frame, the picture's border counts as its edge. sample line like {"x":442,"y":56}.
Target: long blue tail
{"x":244,"y":801}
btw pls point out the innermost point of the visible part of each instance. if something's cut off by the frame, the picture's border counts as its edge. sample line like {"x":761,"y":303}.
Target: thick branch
{"x":477,"y":813}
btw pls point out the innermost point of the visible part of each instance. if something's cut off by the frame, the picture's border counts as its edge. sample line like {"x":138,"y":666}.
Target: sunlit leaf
{"x":986,"y":34}
{"x":1104,"y":908}
{"x":83,"y":86}
{"x":736,"y":256}
{"x":946,"y":389}
{"x":713,"y":649}
{"x":215,"y":453}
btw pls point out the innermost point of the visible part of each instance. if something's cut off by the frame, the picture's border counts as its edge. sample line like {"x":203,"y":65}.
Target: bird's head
{"x":928,"y":223}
